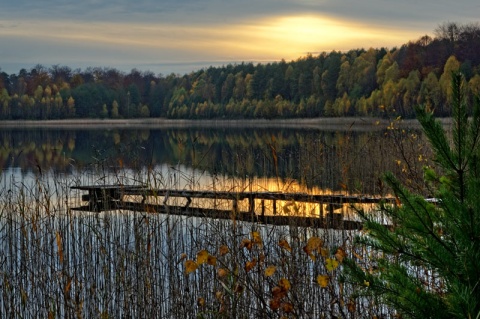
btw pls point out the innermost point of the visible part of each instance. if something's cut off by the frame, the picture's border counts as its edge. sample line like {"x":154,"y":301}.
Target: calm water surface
{"x":340,"y":159}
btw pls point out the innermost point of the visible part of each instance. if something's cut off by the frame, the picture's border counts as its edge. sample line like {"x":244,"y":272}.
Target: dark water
{"x":340,"y":159}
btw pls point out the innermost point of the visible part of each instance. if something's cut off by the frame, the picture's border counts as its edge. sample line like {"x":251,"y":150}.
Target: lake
{"x":57,"y":262}
{"x":338,"y":158}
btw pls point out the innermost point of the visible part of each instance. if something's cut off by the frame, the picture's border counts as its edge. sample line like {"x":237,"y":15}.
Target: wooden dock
{"x":108,"y":197}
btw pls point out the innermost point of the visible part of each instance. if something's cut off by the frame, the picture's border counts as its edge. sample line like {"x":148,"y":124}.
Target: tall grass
{"x":56,"y":262}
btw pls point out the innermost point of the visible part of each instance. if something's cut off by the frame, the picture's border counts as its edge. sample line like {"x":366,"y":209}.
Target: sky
{"x":179,"y":36}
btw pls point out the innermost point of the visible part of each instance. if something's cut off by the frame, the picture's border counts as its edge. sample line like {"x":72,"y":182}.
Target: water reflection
{"x":273,"y":159}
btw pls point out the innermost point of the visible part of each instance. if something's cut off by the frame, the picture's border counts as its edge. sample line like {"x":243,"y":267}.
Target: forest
{"x":377,"y":82}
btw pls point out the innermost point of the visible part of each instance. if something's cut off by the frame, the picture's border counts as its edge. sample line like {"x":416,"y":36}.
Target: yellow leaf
{"x":284,"y":244}
{"x":270,"y":271}
{"x":190,"y":266}
{"x":284,"y":283}
{"x":366,"y":283}
{"x":212,"y":260}
{"x":202,"y":257}
{"x":313,"y":244}
{"x":331,"y":264}
{"x":223,"y":250}
{"x":324,"y":252}
{"x":257,"y":239}
{"x":322,"y":280}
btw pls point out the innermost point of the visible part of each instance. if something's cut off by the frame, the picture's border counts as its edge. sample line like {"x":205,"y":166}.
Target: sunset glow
{"x":150,"y":35}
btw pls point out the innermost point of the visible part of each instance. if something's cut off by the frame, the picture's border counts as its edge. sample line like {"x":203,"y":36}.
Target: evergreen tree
{"x":426,"y":264}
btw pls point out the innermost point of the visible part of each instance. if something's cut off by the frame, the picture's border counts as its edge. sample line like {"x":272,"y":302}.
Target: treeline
{"x":373,"y":82}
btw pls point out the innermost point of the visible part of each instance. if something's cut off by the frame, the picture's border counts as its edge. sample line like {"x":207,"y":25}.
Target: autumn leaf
{"x":182,"y":257}
{"x":322,"y":280}
{"x":351,"y":307}
{"x":278,"y":292}
{"x":331,"y":264}
{"x":274,"y":304}
{"x":287,"y":307}
{"x":190,"y":266}
{"x":257,"y":239}
{"x":285,"y":284}
{"x":270,"y":270}
{"x":212,"y":260}
{"x":340,"y":254}
{"x":247,"y":243}
{"x":324,"y":252}
{"x":313,"y":244}
{"x":250,"y":264}
{"x":223,"y":250}
{"x":202,"y":257}
{"x":222,"y":272}
{"x":284,"y":244}
{"x":201,"y":302}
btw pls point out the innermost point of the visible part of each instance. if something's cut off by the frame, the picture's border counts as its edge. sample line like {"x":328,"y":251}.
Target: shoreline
{"x":334,"y":123}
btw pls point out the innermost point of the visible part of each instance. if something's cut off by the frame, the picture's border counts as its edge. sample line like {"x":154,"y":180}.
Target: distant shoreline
{"x":350,"y":123}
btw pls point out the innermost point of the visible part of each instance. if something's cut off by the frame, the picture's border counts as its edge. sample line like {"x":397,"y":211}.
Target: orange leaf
{"x":222,"y":272}
{"x":340,"y":254}
{"x":278,"y":293}
{"x":250,"y":264}
{"x":322,"y":280}
{"x":212,"y":260}
{"x":223,"y":250}
{"x":270,"y":271}
{"x":324,"y":252}
{"x":247,"y":243}
{"x":190,"y":266}
{"x":202,"y":257}
{"x":285,"y":284}
{"x":287,"y":307}
{"x":397,"y":201}
{"x":284,"y":244}
{"x":274,"y":304}
{"x":200,"y":302}
{"x":351,"y":307}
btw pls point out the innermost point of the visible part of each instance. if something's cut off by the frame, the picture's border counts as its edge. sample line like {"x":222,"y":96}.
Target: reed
{"x":56,"y":262}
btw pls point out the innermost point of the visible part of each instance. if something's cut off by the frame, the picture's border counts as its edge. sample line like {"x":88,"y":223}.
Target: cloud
{"x":169,"y":32}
